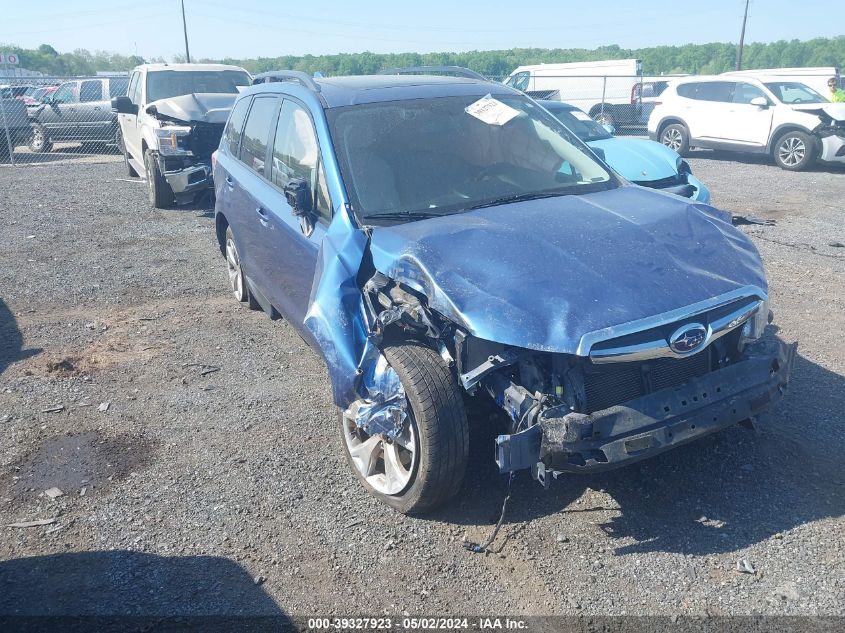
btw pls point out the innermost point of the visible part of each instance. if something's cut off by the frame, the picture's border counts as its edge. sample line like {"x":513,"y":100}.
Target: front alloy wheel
{"x":794,"y":151}
{"x":676,"y":138}
{"x":423,"y":466}
{"x":387,"y":465}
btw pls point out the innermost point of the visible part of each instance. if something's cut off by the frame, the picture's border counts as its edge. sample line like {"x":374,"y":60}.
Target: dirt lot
{"x":195,"y":444}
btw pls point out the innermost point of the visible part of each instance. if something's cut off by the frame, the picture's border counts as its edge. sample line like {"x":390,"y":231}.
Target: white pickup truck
{"x":171,"y":121}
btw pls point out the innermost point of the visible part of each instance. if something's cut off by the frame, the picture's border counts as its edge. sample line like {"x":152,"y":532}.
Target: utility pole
{"x":738,"y":50}
{"x":185,"y":29}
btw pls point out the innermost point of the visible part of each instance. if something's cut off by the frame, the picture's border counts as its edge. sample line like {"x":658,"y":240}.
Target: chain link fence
{"x":57,"y":119}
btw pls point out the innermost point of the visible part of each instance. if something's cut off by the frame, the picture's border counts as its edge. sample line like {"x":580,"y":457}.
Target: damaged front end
{"x":606,"y":416}
{"x":590,"y":375}
{"x":188,"y":132}
{"x":830,"y":132}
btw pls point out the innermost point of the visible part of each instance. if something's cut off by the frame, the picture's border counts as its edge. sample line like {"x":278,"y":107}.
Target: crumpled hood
{"x":835,"y":111}
{"x":638,"y":160}
{"x":541,"y":274}
{"x":206,"y":108}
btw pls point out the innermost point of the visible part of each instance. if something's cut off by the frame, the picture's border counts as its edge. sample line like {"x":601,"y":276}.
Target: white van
{"x":607,"y":90}
{"x":815,"y":77}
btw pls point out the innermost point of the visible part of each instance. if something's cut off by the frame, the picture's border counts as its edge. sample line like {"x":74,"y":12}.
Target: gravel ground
{"x":202,"y":472}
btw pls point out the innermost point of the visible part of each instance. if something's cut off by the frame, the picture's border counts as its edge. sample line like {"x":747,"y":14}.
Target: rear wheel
{"x":794,"y":151}
{"x":423,"y":467}
{"x":160,"y":193}
{"x":237,"y":279}
{"x":676,"y":137}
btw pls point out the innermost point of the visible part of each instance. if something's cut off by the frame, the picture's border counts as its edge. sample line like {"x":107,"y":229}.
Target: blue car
{"x":640,"y":161}
{"x":445,"y":244}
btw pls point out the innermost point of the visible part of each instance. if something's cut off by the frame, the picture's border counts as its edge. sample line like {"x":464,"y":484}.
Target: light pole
{"x":738,"y":50}
{"x":185,"y":30}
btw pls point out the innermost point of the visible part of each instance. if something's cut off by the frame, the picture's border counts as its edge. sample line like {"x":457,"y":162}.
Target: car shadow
{"x":11,"y":339}
{"x":721,"y":493}
{"x":757,"y":159}
{"x":121,"y":590}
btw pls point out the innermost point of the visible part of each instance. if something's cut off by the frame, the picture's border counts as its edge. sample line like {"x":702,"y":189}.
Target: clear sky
{"x":268,"y":28}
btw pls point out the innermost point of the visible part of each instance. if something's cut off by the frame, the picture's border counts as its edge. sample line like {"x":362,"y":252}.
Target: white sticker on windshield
{"x":581,"y":116}
{"x":491,"y":111}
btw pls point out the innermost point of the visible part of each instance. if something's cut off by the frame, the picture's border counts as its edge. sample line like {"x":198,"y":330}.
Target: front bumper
{"x":188,"y":179}
{"x":693,"y":189}
{"x":652,"y":424}
{"x":832,"y":149}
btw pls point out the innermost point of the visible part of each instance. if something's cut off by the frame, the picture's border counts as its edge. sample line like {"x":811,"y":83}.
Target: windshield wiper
{"x":403,"y":215}
{"x":519,"y":197}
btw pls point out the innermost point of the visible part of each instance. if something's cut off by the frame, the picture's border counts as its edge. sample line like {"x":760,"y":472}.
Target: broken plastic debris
{"x":744,"y":567}
{"x":53,"y":492}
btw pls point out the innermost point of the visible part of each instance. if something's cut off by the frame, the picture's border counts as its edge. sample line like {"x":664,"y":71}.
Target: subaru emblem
{"x":688,"y":338}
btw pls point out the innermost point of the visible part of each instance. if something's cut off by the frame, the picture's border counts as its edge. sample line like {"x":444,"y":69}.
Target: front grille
{"x":205,"y":138}
{"x":608,"y":385}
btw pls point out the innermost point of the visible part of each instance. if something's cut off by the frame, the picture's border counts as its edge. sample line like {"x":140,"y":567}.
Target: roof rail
{"x":459,"y":71}
{"x":298,"y":76}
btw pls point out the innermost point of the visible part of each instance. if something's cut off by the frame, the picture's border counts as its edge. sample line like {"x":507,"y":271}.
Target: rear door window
{"x":715,"y":91}
{"x":257,"y":131}
{"x":91,"y":91}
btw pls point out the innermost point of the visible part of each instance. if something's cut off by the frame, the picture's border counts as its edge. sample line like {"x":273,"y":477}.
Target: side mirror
{"x":298,"y":195}
{"x":609,"y":128}
{"x":760,"y":102}
{"x":123,"y":105}
{"x":598,"y":151}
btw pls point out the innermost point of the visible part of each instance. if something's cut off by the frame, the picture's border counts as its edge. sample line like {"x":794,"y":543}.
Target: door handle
{"x":263,"y":217}
{"x":229,"y":182}
{"x":96,"y":107}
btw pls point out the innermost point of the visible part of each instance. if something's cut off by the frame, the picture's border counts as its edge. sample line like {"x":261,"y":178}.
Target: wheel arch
{"x":670,"y":120}
{"x":785,"y":128}
{"x":221,"y":223}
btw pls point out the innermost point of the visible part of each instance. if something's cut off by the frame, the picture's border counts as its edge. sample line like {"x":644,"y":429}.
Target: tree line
{"x":688,"y":58}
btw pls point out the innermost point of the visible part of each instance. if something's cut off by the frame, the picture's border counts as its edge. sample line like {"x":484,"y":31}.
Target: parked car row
{"x":445,"y":242}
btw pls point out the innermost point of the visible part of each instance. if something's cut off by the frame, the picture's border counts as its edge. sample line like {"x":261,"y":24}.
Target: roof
{"x":358,"y":89}
{"x":187,"y":67}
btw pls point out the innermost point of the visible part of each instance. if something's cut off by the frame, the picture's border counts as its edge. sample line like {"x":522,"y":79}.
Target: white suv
{"x":786,"y":119}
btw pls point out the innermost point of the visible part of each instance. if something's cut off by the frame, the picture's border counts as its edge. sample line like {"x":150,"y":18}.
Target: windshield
{"x":794,"y":92}
{"x":424,"y":157}
{"x":578,"y":122}
{"x":163,"y":84}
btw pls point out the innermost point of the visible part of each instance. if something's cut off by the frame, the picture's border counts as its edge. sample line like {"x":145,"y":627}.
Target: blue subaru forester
{"x":439,"y":240}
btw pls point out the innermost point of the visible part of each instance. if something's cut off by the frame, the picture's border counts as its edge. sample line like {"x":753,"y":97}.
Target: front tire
{"x":40,"y":141}
{"x":160,"y":193}
{"x":794,"y":151}
{"x":424,"y":467}
{"x":676,"y":137}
